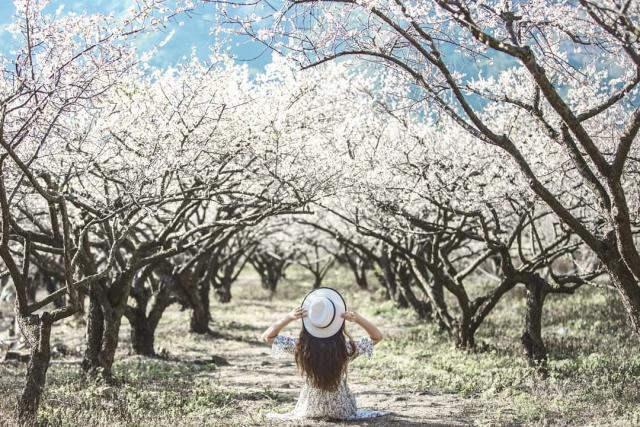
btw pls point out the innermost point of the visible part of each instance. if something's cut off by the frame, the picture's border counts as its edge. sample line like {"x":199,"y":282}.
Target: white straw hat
{"x":324,"y":312}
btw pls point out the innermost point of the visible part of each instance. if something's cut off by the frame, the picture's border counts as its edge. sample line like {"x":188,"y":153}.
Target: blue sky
{"x":180,"y":39}
{"x":194,"y":33}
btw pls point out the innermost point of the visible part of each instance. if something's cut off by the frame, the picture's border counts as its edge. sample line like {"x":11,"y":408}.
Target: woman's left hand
{"x":351,"y":316}
{"x":297,"y":313}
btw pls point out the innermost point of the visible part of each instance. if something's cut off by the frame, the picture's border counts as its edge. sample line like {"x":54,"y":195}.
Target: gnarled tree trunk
{"x":156,"y":290}
{"x":532,"y":343}
{"x":143,"y":326}
{"x":623,"y":280}
{"x":201,"y":314}
{"x":270,"y":268}
{"x":37,"y":330}
{"x":142,"y":334}
{"x":102,"y":337}
{"x":465,"y":334}
{"x":387,"y":278}
{"x":405,"y":281}
{"x":358,"y":265}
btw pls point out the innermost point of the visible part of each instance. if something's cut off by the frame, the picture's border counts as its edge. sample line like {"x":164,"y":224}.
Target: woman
{"x":322,"y":353}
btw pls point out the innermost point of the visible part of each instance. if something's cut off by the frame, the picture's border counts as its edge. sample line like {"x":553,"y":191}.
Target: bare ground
{"x":250,"y":371}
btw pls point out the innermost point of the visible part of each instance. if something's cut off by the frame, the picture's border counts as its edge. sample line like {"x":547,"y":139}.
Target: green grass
{"x":594,"y":359}
{"x":151,"y":392}
{"x":594,"y":365}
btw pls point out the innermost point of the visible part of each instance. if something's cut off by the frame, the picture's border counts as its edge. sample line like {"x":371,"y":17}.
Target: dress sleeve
{"x":283,"y":345}
{"x":363,"y":346}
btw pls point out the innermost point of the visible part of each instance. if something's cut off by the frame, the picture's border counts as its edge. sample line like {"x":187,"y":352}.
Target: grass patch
{"x":151,"y":392}
{"x":594,"y":364}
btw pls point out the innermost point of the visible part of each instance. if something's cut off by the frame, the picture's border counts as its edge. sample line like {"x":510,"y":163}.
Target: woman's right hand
{"x":351,"y":316}
{"x":370,"y":328}
{"x":297,"y":313}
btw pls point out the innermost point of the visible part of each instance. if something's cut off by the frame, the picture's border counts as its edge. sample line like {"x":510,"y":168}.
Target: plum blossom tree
{"x":271,"y":258}
{"x":569,"y":71}
{"x":315,"y":252}
{"x":442,"y":208}
{"x":168,"y":167}
{"x":183,"y":144}
{"x":57,"y":68}
{"x":217,"y":164}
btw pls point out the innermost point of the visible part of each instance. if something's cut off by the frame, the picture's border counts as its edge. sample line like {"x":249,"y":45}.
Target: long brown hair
{"x":324,"y":360}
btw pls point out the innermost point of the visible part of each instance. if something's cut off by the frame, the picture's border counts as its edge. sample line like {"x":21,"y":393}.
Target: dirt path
{"x":251,"y":369}
{"x":260,"y":383}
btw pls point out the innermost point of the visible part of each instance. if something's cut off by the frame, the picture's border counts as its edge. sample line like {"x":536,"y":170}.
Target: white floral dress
{"x":318,"y":403}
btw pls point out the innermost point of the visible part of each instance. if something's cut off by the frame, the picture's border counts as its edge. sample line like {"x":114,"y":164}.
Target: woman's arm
{"x":370,"y":328}
{"x":273,"y":330}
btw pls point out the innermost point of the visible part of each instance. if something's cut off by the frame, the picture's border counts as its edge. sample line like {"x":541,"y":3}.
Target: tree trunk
{"x":389,"y":280}
{"x":270,"y":276}
{"x":383,"y":283}
{"x":361,"y":276}
{"x":465,"y":337}
{"x":143,"y":325}
{"x":223,"y":292}
{"x":623,"y":280}
{"x":532,"y":343}
{"x":142,"y":334}
{"x":102,"y":342}
{"x":109,"y":347}
{"x":422,"y":308}
{"x":38,"y":331}
{"x":14,"y":330}
{"x":433,"y":290}
{"x":270,"y":283}
{"x":192,"y":288}
{"x":437,"y":295}
{"x":358,"y":267}
{"x":50,"y":284}
{"x":199,"y":321}
{"x":94,"y":331}
{"x":271,"y":270}
{"x":201,"y":314}
{"x":102,"y":339}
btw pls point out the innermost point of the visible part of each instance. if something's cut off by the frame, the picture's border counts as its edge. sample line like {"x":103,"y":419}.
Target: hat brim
{"x":340,"y":306}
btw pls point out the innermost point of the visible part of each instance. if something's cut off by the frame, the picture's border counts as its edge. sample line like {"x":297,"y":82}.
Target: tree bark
{"x":623,"y":280}
{"x":270,"y":268}
{"x":94,"y":331}
{"x":223,"y":291}
{"x":404,"y":278}
{"x":359,"y":268}
{"x":143,"y":325}
{"x":360,"y":273}
{"x":465,"y":334}
{"x":201,"y":314}
{"x":192,"y":288}
{"x":51,"y":287}
{"x":38,"y":333}
{"x":269,"y":279}
{"x":109,"y":346}
{"x":389,"y":280}
{"x":142,"y":335}
{"x":317,"y":281}
{"x":532,"y":343}
{"x":102,"y":341}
